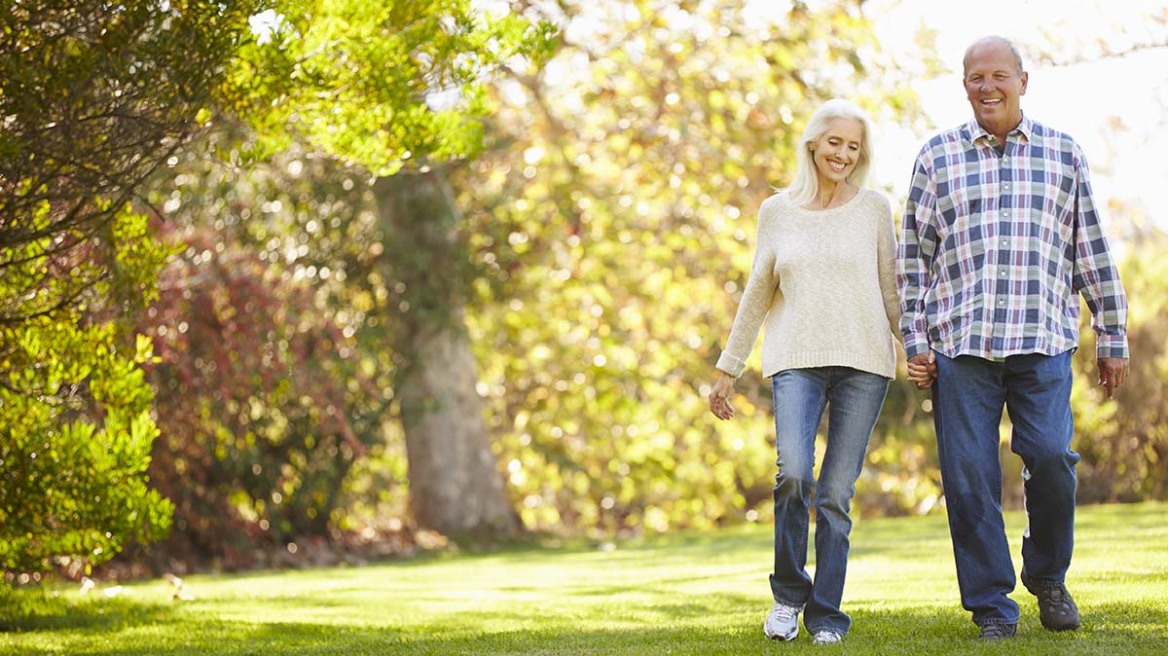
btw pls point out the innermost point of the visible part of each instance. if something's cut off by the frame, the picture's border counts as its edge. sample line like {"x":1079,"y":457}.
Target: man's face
{"x":994,"y":86}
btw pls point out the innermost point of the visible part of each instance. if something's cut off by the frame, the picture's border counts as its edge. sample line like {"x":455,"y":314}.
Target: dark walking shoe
{"x":1056,"y":608}
{"x":997,"y":631}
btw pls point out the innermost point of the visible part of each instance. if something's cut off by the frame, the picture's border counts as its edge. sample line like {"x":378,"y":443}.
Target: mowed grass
{"x":686,"y":594}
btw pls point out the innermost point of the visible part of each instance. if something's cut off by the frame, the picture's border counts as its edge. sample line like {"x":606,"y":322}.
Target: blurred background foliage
{"x":94,"y":96}
{"x":428,"y":269}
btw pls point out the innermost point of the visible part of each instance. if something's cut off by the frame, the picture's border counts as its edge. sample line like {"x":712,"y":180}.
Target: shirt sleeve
{"x":918,"y":244}
{"x":756,"y":300}
{"x":1095,"y":276}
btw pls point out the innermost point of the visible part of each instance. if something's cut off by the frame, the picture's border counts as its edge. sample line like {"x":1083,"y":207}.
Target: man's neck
{"x":1000,"y":132}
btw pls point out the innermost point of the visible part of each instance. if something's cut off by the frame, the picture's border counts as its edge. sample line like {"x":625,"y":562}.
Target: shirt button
{"x":1002,"y":272}
{"x":1001,"y":301}
{"x":1004,"y":242}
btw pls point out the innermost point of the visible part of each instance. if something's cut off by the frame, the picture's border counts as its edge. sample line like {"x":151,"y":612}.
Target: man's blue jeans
{"x":968,"y":398}
{"x":800,"y":396}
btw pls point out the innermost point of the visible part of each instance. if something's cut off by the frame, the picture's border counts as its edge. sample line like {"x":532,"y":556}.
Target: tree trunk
{"x":456,"y":487}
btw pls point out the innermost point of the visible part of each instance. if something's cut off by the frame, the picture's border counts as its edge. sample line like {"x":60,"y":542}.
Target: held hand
{"x":1112,"y":373}
{"x":922,"y":370}
{"x":720,"y":397}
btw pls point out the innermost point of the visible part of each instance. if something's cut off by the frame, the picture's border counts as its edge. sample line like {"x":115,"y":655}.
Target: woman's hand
{"x":720,"y":397}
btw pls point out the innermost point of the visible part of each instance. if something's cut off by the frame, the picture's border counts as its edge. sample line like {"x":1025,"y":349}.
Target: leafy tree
{"x":365,"y":82}
{"x":94,"y":96}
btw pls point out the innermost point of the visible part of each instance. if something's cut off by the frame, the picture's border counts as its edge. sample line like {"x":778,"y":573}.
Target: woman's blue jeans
{"x":968,"y":398}
{"x":800,"y":396}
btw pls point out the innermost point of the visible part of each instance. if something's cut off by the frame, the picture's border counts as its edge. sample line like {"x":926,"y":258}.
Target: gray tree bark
{"x":455,"y":484}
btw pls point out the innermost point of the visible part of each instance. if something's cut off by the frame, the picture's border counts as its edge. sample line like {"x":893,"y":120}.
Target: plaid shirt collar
{"x":975,"y":132}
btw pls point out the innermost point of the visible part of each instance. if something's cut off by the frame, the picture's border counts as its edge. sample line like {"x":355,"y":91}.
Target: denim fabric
{"x":968,"y":398}
{"x":800,"y":396}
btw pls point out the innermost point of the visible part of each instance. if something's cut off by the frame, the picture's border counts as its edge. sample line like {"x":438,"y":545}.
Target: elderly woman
{"x":823,"y":284}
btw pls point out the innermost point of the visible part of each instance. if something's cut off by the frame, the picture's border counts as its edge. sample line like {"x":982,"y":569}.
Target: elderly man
{"x":1000,"y":237}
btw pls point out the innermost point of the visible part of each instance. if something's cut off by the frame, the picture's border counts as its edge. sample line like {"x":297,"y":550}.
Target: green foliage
{"x":94,"y":96}
{"x":383,"y":84}
{"x":694,"y":594}
{"x":75,"y":423}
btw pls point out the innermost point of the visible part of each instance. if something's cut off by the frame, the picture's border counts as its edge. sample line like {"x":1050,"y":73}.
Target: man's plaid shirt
{"x":995,"y":245}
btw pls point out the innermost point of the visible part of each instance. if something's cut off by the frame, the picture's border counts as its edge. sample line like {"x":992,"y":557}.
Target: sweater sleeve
{"x":886,"y":260}
{"x":761,"y":288}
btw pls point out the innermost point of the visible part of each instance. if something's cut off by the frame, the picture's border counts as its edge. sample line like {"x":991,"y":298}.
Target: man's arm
{"x":1097,"y":280}
{"x":1095,"y":275}
{"x":918,"y":244}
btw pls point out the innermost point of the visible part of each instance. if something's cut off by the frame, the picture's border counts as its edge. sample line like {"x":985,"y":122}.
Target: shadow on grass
{"x":609,"y":611}
{"x":1108,"y":630}
{"x":37,"y":610}
{"x":950,"y":634}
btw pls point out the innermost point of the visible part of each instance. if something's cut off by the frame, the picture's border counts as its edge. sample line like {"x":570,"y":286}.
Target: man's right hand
{"x":922,"y":370}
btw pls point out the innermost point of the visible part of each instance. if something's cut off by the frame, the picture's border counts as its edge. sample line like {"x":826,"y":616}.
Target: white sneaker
{"x":782,"y":623}
{"x":826,"y":637}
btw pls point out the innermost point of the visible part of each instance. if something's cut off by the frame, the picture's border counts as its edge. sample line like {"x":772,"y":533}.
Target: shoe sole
{"x":780,"y":637}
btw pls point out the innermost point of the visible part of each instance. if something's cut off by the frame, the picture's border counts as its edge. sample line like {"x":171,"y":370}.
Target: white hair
{"x":805,"y":186}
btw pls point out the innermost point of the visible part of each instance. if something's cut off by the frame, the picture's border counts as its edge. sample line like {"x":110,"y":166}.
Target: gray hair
{"x":805,"y":185}
{"x":986,"y":40}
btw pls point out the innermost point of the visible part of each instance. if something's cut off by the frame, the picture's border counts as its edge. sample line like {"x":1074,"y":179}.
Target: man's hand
{"x":922,"y":369}
{"x":1112,"y":373}
{"x":720,"y":397}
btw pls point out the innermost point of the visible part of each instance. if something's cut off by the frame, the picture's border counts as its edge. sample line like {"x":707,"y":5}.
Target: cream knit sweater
{"x":824,"y":283}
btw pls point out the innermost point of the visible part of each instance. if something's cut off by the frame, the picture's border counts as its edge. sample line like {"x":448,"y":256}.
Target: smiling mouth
{"x":837,"y":166}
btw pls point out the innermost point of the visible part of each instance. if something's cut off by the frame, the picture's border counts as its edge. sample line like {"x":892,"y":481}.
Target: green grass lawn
{"x":689,"y":594}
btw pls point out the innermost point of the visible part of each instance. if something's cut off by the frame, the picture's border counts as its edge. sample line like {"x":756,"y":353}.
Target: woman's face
{"x":836,"y":152}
